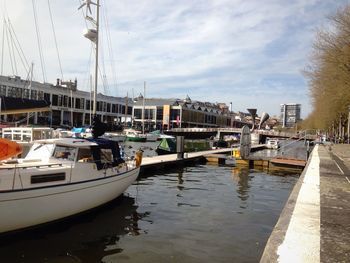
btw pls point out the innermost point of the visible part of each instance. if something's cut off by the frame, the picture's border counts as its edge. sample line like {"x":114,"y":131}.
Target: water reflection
{"x":191,"y":214}
{"x":242,"y":177}
{"x":82,"y":238}
{"x":180,"y":180}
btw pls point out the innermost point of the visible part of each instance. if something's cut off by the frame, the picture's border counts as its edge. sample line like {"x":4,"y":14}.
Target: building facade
{"x":69,"y":106}
{"x":290,"y":114}
{"x":164,"y":114}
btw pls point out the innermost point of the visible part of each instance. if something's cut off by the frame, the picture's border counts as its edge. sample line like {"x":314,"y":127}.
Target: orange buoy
{"x":9,"y":149}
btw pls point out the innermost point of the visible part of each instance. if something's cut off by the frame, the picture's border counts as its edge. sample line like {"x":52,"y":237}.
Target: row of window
{"x":62,"y":100}
{"x":187,"y":116}
{"x":25,"y":93}
{"x":78,"y":103}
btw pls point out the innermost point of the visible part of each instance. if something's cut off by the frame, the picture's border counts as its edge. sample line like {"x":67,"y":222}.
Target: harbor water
{"x":199,"y":213}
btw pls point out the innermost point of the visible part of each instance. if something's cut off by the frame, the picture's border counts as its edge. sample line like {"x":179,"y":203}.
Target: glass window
{"x":33,"y":94}
{"x":64,"y":152}
{"x":84,"y":155}
{"x":138,"y":113}
{"x":77,"y":103}
{"x":174,"y":113}
{"x":40,"y":95}
{"x":159,"y":113}
{"x":47,"y":97}
{"x":2,"y":90}
{"x":26,"y":94}
{"x":129,"y":110}
{"x":59,"y":100}
{"x":54,"y":100}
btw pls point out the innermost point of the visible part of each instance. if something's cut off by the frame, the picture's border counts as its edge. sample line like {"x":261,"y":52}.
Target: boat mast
{"x":126,"y":108}
{"x":92,"y":35}
{"x":30,"y":90}
{"x":143,"y":108}
{"x":96,"y":58}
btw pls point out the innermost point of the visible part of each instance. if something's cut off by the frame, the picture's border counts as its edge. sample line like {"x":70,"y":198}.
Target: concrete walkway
{"x":314,"y":225}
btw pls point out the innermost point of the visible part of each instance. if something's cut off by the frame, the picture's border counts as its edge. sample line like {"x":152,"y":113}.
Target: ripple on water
{"x":204,"y":213}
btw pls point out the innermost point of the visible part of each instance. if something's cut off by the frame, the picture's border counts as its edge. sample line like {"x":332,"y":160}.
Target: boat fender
{"x":138,"y":157}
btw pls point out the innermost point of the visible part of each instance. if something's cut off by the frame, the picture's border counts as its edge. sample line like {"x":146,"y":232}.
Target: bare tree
{"x":329,"y":74}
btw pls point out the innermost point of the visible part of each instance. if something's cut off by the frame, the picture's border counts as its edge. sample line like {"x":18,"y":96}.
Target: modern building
{"x":290,"y":114}
{"x":69,"y":106}
{"x":163,"y":114}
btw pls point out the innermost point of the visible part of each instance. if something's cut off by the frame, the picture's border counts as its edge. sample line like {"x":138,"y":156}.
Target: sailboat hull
{"x":29,"y":207}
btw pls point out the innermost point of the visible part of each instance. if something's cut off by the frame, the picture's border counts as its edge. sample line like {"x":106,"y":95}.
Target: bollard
{"x":307,"y":150}
{"x":180,"y":140}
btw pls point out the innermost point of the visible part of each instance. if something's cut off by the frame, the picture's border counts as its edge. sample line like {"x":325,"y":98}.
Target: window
{"x":84,"y":155}
{"x":2,"y":90}
{"x":138,"y":113}
{"x":46,"y":178}
{"x":174,"y":113}
{"x":65,"y":101}
{"x":59,"y":101}
{"x":64,"y":152}
{"x":26,"y":94}
{"x":47,"y":97}
{"x":19,"y":93}
{"x":54,"y":100}
{"x":160,"y":113}
{"x":40,"y":95}
{"x":33,"y":94}
{"x":77,"y":103}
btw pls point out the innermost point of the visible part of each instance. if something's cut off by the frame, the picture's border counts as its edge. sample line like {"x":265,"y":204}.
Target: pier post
{"x":180,"y":147}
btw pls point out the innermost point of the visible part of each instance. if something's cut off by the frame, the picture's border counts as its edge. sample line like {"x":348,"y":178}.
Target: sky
{"x":250,"y":53}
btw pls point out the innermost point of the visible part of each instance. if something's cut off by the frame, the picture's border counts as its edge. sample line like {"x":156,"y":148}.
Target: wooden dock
{"x":170,"y":159}
{"x":219,"y":156}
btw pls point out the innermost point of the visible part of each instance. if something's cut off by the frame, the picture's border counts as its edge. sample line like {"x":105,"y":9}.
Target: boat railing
{"x":19,"y":166}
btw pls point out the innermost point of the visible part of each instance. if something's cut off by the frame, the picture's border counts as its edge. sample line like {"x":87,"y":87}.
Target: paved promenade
{"x":314,"y":225}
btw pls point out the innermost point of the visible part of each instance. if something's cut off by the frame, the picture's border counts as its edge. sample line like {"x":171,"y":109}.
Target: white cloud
{"x":247,"y":52}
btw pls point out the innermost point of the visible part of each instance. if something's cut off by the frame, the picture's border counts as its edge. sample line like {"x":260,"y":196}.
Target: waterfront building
{"x":69,"y":106}
{"x":163,"y":114}
{"x":290,"y":114}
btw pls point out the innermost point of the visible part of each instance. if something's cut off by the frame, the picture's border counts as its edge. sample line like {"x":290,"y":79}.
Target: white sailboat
{"x":62,"y":177}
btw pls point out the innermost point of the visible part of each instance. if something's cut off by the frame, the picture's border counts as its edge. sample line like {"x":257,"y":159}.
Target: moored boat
{"x":166,"y":146}
{"x":62,"y":177}
{"x":135,"y":136}
{"x":65,"y":176}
